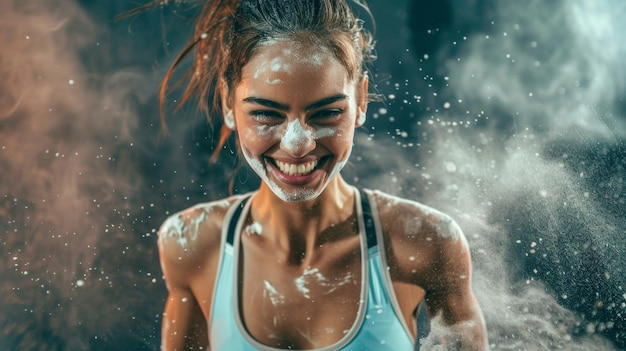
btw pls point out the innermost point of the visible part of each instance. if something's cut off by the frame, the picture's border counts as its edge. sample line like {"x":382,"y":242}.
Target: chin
{"x":295,"y":195}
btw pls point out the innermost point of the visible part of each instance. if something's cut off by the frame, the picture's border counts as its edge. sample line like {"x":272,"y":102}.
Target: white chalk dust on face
{"x":291,"y":136}
{"x":326,"y":132}
{"x":280,"y":64}
{"x":292,"y":133}
{"x":273,"y":81}
{"x":303,"y":194}
{"x":303,"y":53}
{"x":277,"y":64}
{"x":296,"y":135}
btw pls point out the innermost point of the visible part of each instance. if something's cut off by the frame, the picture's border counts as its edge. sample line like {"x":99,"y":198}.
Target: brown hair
{"x":228,"y":32}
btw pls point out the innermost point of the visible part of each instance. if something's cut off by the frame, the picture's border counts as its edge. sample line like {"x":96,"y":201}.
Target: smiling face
{"x":295,"y":112}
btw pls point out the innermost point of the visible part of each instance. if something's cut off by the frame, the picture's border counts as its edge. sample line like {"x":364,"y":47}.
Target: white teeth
{"x":296,"y":170}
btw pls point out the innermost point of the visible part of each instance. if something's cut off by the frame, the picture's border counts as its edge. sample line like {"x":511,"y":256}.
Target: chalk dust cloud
{"x":68,"y":181}
{"x":518,"y":132}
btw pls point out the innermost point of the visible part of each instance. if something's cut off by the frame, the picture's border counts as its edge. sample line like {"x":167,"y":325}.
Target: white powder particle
{"x":314,"y":276}
{"x":254,"y":228}
{"x":271,"y":292}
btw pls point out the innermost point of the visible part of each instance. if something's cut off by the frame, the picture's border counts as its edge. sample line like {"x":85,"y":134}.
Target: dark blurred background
{"x":509,"y":116}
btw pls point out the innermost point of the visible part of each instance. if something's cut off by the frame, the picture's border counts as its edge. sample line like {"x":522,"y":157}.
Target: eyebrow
{"x":277,"y":105}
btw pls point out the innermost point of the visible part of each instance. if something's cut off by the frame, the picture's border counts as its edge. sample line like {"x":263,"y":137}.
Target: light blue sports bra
{"x":378,"y":326}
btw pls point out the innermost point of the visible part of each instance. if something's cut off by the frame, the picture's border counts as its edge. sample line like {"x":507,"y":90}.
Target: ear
{"x":227,"y":108}
{"x":362,"y":95}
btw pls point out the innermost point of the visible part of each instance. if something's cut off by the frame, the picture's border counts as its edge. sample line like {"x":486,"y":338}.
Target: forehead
{"x":277,"y":60}
{"x":293,"y":50}
{"x":288,"y":68}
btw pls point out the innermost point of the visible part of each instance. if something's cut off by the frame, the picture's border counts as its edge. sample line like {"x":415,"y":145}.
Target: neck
{"x":296,"y":227}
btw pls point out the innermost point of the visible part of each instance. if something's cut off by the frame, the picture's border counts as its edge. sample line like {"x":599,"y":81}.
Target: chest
{"x":301,"y":307}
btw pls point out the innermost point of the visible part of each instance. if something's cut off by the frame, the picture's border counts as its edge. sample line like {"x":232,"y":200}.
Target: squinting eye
{"x":327,"y":114}
{"x":265,"y":116}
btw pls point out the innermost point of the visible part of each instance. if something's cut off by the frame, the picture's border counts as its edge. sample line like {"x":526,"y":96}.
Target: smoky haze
{"x":68,"y":177}
{"x":508,"y":116}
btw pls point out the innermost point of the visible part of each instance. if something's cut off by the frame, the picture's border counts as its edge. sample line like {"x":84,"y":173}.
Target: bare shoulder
{"x":189,"y":235}
{"x":415,"y":220}
{"x":426,"y":248}
{"x":419,"y":239}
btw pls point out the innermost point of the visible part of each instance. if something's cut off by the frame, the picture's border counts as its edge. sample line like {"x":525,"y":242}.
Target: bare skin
{"x":318,"y":251}
{"x":428,"y":263}
{"x":308,"y":221}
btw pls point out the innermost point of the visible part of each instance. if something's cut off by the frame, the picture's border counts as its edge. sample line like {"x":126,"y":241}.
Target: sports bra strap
{"x":368,"y":220}
{"x":230,"y":238}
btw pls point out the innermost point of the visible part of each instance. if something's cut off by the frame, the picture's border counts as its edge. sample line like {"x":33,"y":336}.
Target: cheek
{"x":326,"y":132}
{"x":257,"y":139}
{"x":254,"y":163}
{"x":341,"y":132}
{"x":339,"y":140}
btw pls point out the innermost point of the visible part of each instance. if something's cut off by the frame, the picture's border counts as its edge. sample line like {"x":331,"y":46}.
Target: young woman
{"x":307,"y":261}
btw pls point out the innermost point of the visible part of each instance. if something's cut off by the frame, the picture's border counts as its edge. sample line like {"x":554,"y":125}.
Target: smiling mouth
{"x":297,"y":170}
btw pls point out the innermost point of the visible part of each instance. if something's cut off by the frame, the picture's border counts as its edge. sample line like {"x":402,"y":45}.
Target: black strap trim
{"x":232,"y":225}
{"x":368,"y":219}
{"x":423,"y":322}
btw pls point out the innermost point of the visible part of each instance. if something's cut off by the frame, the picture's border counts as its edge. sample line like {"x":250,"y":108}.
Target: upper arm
{"x":183,"y":325}
{"x":448,"y":279}
{"x":187,"y":248}
{"x":427,"y":249}
{"x":457,"y":316}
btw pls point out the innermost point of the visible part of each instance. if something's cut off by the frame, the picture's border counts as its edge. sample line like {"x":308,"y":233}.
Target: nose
{"x":298,"y":140}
